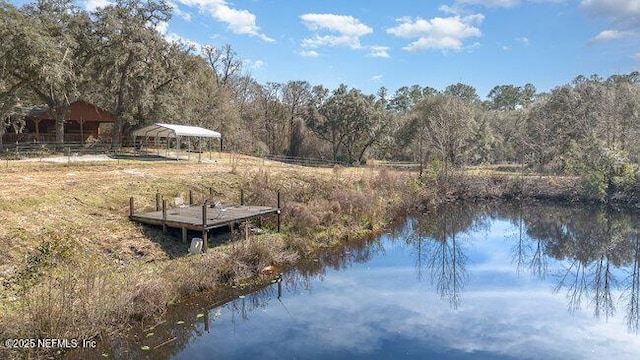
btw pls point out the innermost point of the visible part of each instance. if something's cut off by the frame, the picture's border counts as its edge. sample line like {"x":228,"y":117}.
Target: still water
{"x":491,"y":281}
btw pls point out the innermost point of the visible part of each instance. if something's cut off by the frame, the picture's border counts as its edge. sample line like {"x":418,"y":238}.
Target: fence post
{"x":278,"y":211}
{"x":241,"y":197}
{"x":131,"y":206}
{"x":205,"y":232}
{"x":190,"y":197}
{"x":157,"y":200}
{"x":164,"y":216}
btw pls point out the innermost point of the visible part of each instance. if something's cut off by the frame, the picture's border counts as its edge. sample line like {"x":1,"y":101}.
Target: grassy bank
{"x":76,"y":267}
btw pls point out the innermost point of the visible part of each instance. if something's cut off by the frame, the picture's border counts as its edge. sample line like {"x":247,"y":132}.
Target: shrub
{"x":302,"y":218}
{"x":594,"y":185}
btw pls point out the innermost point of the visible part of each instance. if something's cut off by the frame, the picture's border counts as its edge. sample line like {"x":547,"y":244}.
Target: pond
{"x":480,"y":281}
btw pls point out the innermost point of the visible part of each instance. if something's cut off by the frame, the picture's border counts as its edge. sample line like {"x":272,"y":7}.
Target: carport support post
{"x":205,"y":232}
{"x":177,"y":147}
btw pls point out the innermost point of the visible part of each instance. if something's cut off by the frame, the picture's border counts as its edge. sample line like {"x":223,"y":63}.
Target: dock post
{"x":157,"y":200}
{"x":164,"y":216}
{"x":242,"y":197}
{"x":184,"y":235}
{"x":131,"y":206}
{"x":278,"y":211}
{"x":279,"y":288}
{"x":190,"y":197}
{"x":205,"y":232}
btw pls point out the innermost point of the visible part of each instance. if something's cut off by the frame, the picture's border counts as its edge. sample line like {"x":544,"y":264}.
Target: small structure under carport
{"x":170,"y":131}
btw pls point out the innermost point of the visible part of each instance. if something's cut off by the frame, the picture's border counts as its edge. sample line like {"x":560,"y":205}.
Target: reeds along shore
{"x":84,"y":278}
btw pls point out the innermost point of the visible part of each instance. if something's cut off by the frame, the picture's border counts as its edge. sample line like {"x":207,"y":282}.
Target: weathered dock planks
{"x":200,"y":217}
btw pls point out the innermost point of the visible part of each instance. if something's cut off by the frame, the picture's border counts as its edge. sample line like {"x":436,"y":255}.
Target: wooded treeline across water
{"x":53,"y":52}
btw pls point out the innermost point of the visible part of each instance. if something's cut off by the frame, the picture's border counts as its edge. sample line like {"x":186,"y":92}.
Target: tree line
{"x":53,"y":52}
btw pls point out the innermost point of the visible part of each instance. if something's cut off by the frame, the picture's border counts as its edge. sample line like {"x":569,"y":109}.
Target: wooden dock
{"x":201,"y":218}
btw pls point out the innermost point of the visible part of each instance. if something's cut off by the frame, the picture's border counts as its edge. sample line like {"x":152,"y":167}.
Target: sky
{"x":372,"y":43}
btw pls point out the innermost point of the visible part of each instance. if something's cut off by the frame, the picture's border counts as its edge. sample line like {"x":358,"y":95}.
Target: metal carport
{"x":169,"y":131}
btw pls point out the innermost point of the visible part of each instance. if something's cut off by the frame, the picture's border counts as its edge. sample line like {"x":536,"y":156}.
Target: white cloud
{"x":175,"y":38}
{"x":162,"y":27}
{"x":92,"y":5}
{"x":619,"y":9}
{"x":438,"y":33}
{"x":343,"y":24}
{"x":177,"y":11}
{"x":258,"y":64}
{"x":240,"y":22}
{"x":376,"y":78}
{"x":505,"y":48}
{"x":454,"y":10}
{"x":623,"y":14}
{"x":491,"y":3}
{"x":309,"y":53}
{"x":343,"y":30}
{"x":608,"y":35}
{"x":379,"y":51}
{"x":458,"y":7}
{"x":523,"y":40}
{"x":332,"y":41}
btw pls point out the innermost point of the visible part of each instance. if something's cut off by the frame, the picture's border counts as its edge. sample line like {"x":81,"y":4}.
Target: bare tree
{"x":224,"y":62}
{"x":446,"y":122}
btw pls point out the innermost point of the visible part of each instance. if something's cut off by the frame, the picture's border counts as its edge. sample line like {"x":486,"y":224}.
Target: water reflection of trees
{"x":592,"y":244}
{"x":527,"y":252}
{"x":597,"y":247}
{"x":633,"y":287}
{"x":437,"y":240}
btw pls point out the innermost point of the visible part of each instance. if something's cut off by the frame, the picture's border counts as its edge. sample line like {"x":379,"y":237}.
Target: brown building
{"x":82,"y":121}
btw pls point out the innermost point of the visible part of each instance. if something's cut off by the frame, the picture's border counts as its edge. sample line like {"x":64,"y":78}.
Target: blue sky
{"x":373,"y":43}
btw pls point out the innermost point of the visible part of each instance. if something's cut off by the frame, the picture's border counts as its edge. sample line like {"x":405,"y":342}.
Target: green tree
{"x":406,"y":97}
{"x":349,"y":120}
{"x":446,"y":122}
{"x":38,"y":53}
{"x":131,"y":65}
{"x":511,"y":97}
{"x":464,"y":92}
